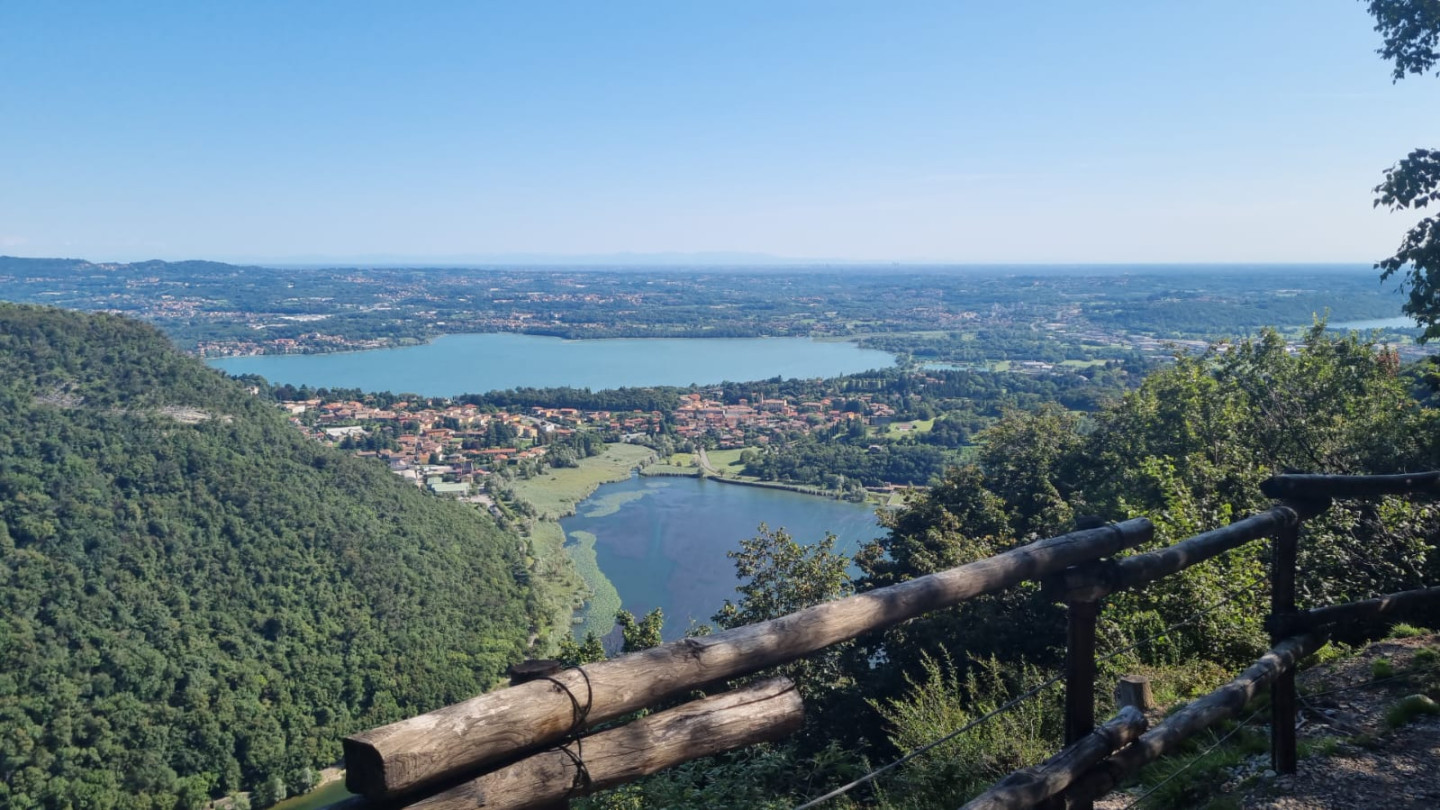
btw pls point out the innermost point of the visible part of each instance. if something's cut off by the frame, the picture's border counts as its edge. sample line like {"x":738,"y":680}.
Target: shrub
{"x":1408,"y":708}
{"x":942,"y":701}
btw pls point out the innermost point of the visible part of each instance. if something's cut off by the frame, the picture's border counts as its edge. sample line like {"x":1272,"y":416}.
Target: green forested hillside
{"x":193,"y":598}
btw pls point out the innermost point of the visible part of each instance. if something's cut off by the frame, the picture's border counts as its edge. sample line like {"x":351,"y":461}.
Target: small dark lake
{"x":662,"y":541}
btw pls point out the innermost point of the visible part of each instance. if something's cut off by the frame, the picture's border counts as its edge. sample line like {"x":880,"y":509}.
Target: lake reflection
{"x":662,"y":541}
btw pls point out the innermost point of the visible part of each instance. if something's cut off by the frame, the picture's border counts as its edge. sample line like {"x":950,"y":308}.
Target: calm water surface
{"x":662,"y":540}
{"x":460,"y":364}
{"x":1402,"y":322}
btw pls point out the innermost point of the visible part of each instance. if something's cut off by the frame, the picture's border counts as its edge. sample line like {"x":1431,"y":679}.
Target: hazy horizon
{"x":716,"y":261}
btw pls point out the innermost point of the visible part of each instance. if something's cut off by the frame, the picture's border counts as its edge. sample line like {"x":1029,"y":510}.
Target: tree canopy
{"x":195,"y":599}
{"x":1411,"y":32}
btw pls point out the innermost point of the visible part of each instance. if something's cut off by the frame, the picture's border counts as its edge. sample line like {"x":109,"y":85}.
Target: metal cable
{"x":1015,"y":701}
{"x":1233,"y":595}
{"x":1303,"y":699}
{"x":926,"y":747}
{"x":1353,"y":686}
{"x":1147,"y":794}
{"x":578,"y":715}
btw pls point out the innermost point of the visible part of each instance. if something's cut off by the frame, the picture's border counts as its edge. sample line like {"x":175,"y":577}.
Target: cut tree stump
{"x":1134,"y":690}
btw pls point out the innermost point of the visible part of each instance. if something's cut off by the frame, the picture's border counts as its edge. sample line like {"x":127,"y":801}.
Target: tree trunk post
{"x":1282,"y":691}
{"x":1080,"y":676}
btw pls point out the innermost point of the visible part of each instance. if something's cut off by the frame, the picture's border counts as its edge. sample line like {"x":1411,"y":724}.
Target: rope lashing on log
{"x":761,"y":712}
{"x":580,"y":713}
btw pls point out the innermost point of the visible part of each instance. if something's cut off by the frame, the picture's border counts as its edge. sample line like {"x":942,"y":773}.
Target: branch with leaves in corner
{"x":1410,"y":30}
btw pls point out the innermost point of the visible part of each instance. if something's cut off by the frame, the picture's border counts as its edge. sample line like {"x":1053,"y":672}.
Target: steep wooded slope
{"x":195,"y":599}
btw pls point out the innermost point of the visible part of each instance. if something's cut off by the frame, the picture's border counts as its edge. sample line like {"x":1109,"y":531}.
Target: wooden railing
{"x":527,"y":745}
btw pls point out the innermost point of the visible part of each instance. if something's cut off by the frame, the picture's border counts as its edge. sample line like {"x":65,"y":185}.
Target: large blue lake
{"x":461,"y":364}
{"x":662,"y":541}
{"x":1402,"y":322}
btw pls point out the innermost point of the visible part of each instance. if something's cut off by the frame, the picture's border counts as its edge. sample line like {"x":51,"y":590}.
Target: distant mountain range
{"x":670,"y":261}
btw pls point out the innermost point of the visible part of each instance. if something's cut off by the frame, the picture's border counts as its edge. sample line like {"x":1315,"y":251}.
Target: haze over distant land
{"x":758,"y":261}
{"x":624,"y":259}
{"x":935,"y":131}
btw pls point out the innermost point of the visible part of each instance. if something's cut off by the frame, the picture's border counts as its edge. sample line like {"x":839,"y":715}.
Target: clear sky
{"x":1024,"y":131}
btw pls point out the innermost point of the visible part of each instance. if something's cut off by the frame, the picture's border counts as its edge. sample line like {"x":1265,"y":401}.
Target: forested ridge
{"x":196,"y":600}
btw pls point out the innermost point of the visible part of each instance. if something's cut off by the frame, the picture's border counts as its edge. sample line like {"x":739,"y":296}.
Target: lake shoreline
{"x":558,"y":495}
{"x":802,"y":489}
{"x":664,"y":541}
{"x":411,"y":342}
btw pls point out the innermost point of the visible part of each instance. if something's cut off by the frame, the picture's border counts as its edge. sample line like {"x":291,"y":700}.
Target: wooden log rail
{"x":1096,"y":580}
{"x":1031,"y":786}
{"x":761,"y":712}
{"x":1382,"y":608}
{"x":1316,"y":487}
{"x":1223,"y":703}
{"x":765,"y":711}
{"x":483,"y":751}
{"x":462,"y":738}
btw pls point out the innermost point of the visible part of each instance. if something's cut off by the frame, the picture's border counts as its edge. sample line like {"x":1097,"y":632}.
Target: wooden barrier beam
{"x":449,"y":742}
{"x":1380,"y":608}
{"x":1143,"y":568}
{"x":1029,"y":786}
{"x":765,"y":711}
{"x":1303,"y":487}
{"x":1223,"y":703}
{"x":1099,"y":579}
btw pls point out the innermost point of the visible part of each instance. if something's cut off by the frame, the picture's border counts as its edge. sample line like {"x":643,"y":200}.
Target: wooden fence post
{"x":1081,"y":617}
{"x":1282,"y":690}
{"x":1081,"y":614}
{"x":1080,"y":670}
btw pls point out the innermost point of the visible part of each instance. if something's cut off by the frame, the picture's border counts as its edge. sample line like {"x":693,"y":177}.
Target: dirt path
{"x":1350,"y":757}
{"x":1400,"y":770}
{"x":1359,"y":760}
{"x":704,"y":460}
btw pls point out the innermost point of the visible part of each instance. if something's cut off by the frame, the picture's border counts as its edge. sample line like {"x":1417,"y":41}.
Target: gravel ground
{"x":1364,"y":764}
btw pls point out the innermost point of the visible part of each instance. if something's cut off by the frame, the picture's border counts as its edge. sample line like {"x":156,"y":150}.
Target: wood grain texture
{"x":1099,"y":579}
{"x":1382,"y":608}
{"x":765,"y":711}
{"x":1134,"y":690}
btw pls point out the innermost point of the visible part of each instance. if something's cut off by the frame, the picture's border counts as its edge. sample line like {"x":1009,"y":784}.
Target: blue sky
{"x":1026,"y":131}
